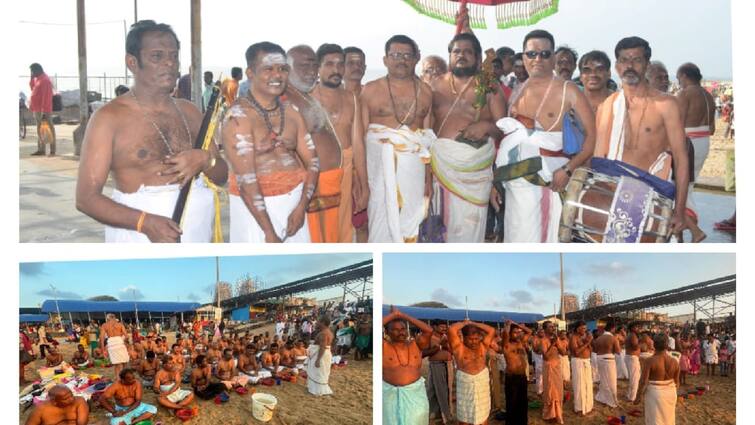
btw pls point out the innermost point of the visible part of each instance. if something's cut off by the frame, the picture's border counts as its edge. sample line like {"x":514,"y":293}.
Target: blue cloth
{"x":406,"y":405}
{"x":619,"y":168}
{"x":128,"y":417}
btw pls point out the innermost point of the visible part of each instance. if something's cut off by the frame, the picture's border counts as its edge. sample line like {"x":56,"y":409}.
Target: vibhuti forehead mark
{"x":244,"y":144}
{"x":273,"y":59}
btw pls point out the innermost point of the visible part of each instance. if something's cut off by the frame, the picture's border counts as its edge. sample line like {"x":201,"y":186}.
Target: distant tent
{"x":457,"y":315}
{"x":32,"y":318}
{"x":81,"y":306}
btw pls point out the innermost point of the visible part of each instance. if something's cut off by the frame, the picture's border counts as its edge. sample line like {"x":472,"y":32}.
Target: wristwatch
{"x":566,"y":169}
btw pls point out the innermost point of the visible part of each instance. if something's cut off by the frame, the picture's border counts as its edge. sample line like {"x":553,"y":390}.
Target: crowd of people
{"x":207,"y":360}
{"x":311,"y":154}
{"x":474,"y":372}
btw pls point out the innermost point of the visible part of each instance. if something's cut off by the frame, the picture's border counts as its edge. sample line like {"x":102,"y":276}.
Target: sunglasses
{"x":544,"y":54}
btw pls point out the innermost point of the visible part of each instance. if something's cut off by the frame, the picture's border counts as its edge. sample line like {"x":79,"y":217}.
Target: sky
{"x":673,"y":28}
{"x":530,"y":282}
{"x":181,"y":279}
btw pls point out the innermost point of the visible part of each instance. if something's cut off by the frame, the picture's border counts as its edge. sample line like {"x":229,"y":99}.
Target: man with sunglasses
{"x":640,"y":126}
{"x":594,"y":73}
{"x":395,"y":109}
{"x":465,"y":124}
{"x":533,"y":165}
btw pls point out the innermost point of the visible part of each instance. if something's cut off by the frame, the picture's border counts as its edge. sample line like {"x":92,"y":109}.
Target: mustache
{"x":335,"y":76}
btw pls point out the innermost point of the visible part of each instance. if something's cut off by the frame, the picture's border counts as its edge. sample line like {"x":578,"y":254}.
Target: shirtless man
{"x":300,"y":353}
{"x":566,"y":62}
{"x":148,"y":368}
{"x":433,"y":67}
{"x":404,"y":394}
{"x":580,"y":346}
{"x":354,"y":69}
{"x":117,"y":339}
{"x":53,"y":357}
{"x":660,"y":379}
{"x":553,"y":348}
{"x":394,"y":109}
{"x":466,"y":131}
{"x":201,"y":380}
{"x":271,"y":153}
{"x":319,"y":359}
{"x":698,"y":109}
{"x":287,"y":355}
{"x":248,"y":361}
{"x":145,"y":139}
{"x":60,"y":408}
{"x":606,"y":347}
{"x":657,"y":76}
{"x":168,"y":386}
{"x":440,"y":372}
{"x":469,"y":342}
{"x":653,"y":129}
{"x":271,"y":359}
{"x":532,"y":213}
{"x":515,"y":383}
{"x":80,"y":358}
{"x":127,"y":407}
{"x":594,"y":73}
{"x":227,"y":372}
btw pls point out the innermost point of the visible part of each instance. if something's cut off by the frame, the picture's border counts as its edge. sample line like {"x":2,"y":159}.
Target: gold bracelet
{"x":140,"y":222}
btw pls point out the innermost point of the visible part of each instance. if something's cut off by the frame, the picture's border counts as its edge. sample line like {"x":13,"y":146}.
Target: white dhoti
{"x":633,"y":374}
{"x":396,"y":163}
{"x":660,"y":403}
{"x":594,"y":366}
{"x":472,"y":397}
{"x":565,"y":369}
{"x":621,"y":367}
{"x":607,"y":389}
{"x":581,"y":384}
{"x":318,"y":377}
{"x":532,"y":212}
{"x":538,"y":360}
{"x":116,"y":350}
{"x":161,"y":200}
{"x":700,"y":137}
{"x":244,"y":227}
{"x":466,"y":174}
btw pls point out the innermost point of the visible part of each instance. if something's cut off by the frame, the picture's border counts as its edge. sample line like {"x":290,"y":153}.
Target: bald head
{"x":60,"y":395}
{"x":303,"y":62}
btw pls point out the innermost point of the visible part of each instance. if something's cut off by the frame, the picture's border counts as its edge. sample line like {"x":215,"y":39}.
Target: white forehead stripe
{"x":273,"y":59}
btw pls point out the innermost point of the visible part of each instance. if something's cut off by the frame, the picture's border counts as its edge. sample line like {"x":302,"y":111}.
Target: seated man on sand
{"x":128,"y":407}
{"x":61,"y":408}
{"x":148,"y":368}
{"x":287,"y":355}
{"x":227,"y":372}
{"x":271,"y":359}
{"x":248,"y":361}
{"x":53,"y":357}
{"x":168,"y":386}
{"x":300,"y":354}
{"x":201,"y":380}
{"x":80,"y":358}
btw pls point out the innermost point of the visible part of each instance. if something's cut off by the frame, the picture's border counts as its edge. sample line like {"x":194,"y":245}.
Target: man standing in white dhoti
{"x":273,"y":157}
{"x":606,"y":348}
{"x":660,"y":378}
{"x":395,"y":108}
{"x":531,"y":160}
{"x":632,"y":360}
{"x":621,"y":366}
{"x":469,"y":342}
{"x":580,"y":346}
{"x":319,"y":359}
{"x":114,"y":336}
{"x":145,"y":139}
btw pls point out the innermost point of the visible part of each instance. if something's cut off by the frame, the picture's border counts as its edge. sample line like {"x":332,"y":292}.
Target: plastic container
{"x":263,"y":406}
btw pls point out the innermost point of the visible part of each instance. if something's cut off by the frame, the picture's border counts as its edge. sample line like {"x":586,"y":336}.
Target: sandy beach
{"x":351,"y":402}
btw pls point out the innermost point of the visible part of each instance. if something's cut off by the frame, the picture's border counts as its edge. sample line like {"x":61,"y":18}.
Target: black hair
{"x":519,"y":57}
{"x":121,"y":89}
{"x":150,"y":354}
{"x":539,"y":34}
{"x":470,"y":38}
{"x":122,"y":374}
{"x":402,"y":39}
{"x":206,"y":73}
{"x":136,"y":34}
{"x":610,"y":324}
{"x":632,"y":43}
{"x":174,"y":346}
{"x":691,"y":71}
{"x":250,"y":346}
{"x":236,"y":72}
{"x":597,"y":56}
{"x":579,"y":323}
{"x":262,"y":47}
{"x":502,"y":52}
{"x":568,"y":50}
{"x":327,"y":49}
{"x":200,"y":359}
{"x":273,"y":345}
{"x":36,"y":68}
{"x":352,"y":49}
{"x":498,"y":61}
{"x":660,"y":342}
{"x":468,"y":329}
{"x":228,"y":349}
{"x":325,"y":320}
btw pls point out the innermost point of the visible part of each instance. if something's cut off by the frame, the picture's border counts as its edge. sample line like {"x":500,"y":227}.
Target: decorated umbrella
{"x":509,"y":13}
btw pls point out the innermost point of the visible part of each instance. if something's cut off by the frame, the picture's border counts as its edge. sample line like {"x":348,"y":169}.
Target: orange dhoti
{"x":345,"y":208}
{"x":322,"y":212}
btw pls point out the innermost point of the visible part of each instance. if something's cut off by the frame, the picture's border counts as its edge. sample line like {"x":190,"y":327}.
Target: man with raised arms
{"x":404,"y":398}
{"x":531,"y":158}
{"x":60,"y":408}
{"x":271,"y":153}
{"x":594,"y":73}
{"x":395,"y":108}
{"x":441,"y":370}
{"x":462,"y":157}
{"x":515,"y":381}
{"x":145,"y":140}
{"x":580,"y":346}
{"x":640,"y":126}
{"x":606,"y":347}
{"x":126,"y":406}
{"x":469,"y":342}
{"x":553,"y":347}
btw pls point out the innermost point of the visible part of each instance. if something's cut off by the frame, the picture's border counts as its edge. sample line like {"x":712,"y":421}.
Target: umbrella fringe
{"x":524,"y":13}
{"x":445,"y":11}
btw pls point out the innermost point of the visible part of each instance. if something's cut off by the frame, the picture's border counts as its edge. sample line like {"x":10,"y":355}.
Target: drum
{"x":600,"y":208}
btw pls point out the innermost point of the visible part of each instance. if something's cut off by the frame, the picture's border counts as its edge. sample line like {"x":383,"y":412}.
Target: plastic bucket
{"x":263,"y":406}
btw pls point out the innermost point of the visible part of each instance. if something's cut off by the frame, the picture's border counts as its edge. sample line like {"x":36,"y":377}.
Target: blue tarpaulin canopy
{"x":32,"y":318}
{"x":81,"y":306}
{"x":457,"y":315}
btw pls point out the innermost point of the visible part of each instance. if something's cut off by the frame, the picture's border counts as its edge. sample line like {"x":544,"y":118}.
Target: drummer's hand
{"x":677,"y":221}
{"x":495,"y":199}
{"x":560,"y":179}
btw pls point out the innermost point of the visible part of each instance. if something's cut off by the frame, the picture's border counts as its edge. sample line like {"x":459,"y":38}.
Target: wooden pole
{"x":83,"y":102}
{"x":196,"y":53}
